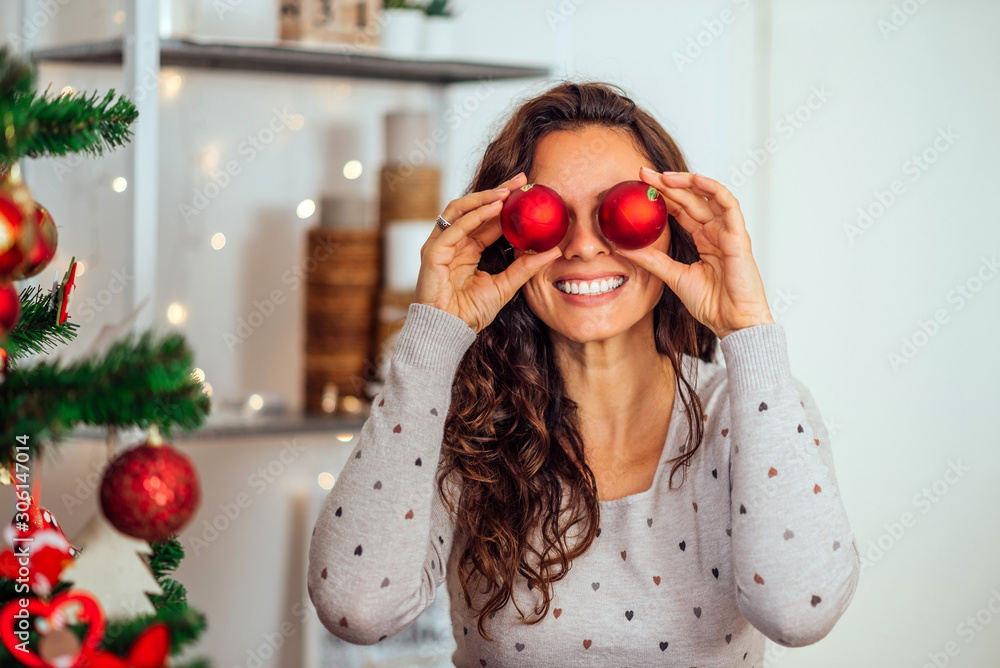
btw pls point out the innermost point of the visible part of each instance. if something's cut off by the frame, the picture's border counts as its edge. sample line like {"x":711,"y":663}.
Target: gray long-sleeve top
{"x":756,"y":541}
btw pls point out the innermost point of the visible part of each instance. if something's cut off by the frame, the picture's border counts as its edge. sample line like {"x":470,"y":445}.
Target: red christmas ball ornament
{"x":534,"y":218}
{"x":632,"y":214}
{"x":150,"y":492}
{"x":44,"y":248}
{"x":17,"y":228}
{"x":10,"y":308}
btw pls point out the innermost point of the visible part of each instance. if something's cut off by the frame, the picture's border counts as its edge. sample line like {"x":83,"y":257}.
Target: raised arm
{"x":379,"y":548}
{"x":795,"y":558}
{"x":377,"y":553}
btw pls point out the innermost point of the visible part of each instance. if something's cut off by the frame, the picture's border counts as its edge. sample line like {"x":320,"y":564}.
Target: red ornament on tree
{"x":65,"y":290}
{"x":44,"y":248}
{"x":150,"y":492}
{"x":10,"y":308}
{"x":17,"y":225}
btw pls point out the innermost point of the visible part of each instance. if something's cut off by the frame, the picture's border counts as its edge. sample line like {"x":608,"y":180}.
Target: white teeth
{"x":592,"y":288}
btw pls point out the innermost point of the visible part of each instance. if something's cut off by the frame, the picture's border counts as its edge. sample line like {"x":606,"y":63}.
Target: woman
{"x":519,"y":448}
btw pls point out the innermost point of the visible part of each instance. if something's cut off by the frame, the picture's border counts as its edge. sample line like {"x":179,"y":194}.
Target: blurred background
{"x":283,"y":194}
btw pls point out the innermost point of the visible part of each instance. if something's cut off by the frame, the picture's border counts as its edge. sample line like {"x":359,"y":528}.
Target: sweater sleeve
{"x":795,"y":558}
{"x":380,"y":544}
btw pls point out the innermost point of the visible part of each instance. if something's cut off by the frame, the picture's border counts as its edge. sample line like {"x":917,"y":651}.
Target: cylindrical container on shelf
{"x":439,"y":37}
{"x":345,"y":212}
{"x":342,"y":295}
{"x":402,"y":242}
{"x":409,"y":193}
{"x":340,"y":258}
{"x":402,"y":31}
{"x":408,"y":139}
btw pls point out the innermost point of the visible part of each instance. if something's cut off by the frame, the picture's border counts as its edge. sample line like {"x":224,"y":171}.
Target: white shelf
{"x":296,"y":58}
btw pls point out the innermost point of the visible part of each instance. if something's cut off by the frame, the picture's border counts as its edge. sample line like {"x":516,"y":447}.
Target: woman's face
{"x":581,"y":165}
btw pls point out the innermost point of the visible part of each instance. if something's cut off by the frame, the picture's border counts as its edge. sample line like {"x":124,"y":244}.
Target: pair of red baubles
{"x":534,"y":217}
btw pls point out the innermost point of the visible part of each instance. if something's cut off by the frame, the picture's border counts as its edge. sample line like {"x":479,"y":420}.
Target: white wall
{"x":856,"y":298}
{"x":845,"y":302}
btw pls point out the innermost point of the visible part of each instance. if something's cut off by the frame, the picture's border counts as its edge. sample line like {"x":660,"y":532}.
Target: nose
{"x":584,"y":239}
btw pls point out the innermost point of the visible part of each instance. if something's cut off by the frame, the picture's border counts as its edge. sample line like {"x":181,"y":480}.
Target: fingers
{"x":520,"y":270}
{"x":487,"y":233}
{"x":458,"y":208}
{"x":657,"y":263}
{"x":697,"y":197}
{"x":472,"y":222}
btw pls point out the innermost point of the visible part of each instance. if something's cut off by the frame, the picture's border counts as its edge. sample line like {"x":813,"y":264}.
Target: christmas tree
{"x":109,"y":600}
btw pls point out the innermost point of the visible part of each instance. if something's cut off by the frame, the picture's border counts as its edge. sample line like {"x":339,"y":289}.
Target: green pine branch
{"x":166,"y":557}
{"x":37,"y":125}
{"x":16,"y":75}
{"x":138,"y":382}
{"x":36,"y":331}
{"x":185,"y":627}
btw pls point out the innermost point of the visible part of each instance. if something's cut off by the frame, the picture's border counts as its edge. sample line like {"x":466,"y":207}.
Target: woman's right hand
{"x":449,"y":277}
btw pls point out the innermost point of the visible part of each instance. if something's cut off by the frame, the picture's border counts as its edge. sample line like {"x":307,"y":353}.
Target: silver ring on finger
{"x":442,"y":223}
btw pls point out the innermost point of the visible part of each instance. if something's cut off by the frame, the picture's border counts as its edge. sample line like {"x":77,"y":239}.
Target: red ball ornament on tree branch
{"x":10,"y":308}
{"x":44,"y":248}
{"x":150,"y":492}
{"x":17,"y":227}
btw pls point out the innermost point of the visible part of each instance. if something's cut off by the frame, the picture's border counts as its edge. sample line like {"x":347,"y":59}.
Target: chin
{"x":587,"y":331}
{"x":589,"y":327}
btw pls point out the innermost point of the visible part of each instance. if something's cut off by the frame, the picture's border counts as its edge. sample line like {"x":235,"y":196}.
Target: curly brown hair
{"x":512,"y":437}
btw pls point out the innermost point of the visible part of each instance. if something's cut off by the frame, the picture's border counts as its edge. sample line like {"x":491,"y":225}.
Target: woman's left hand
{"x":723,"y":290}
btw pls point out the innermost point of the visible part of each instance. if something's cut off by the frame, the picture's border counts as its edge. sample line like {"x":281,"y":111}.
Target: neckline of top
{"x":690,"y":365}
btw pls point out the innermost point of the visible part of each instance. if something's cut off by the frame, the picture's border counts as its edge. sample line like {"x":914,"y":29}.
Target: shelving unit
{"x":143,"y":52}
{"x":294,"y":58}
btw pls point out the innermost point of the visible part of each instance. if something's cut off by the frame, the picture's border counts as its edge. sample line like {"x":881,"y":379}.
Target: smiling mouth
{"x":600,"y":287}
